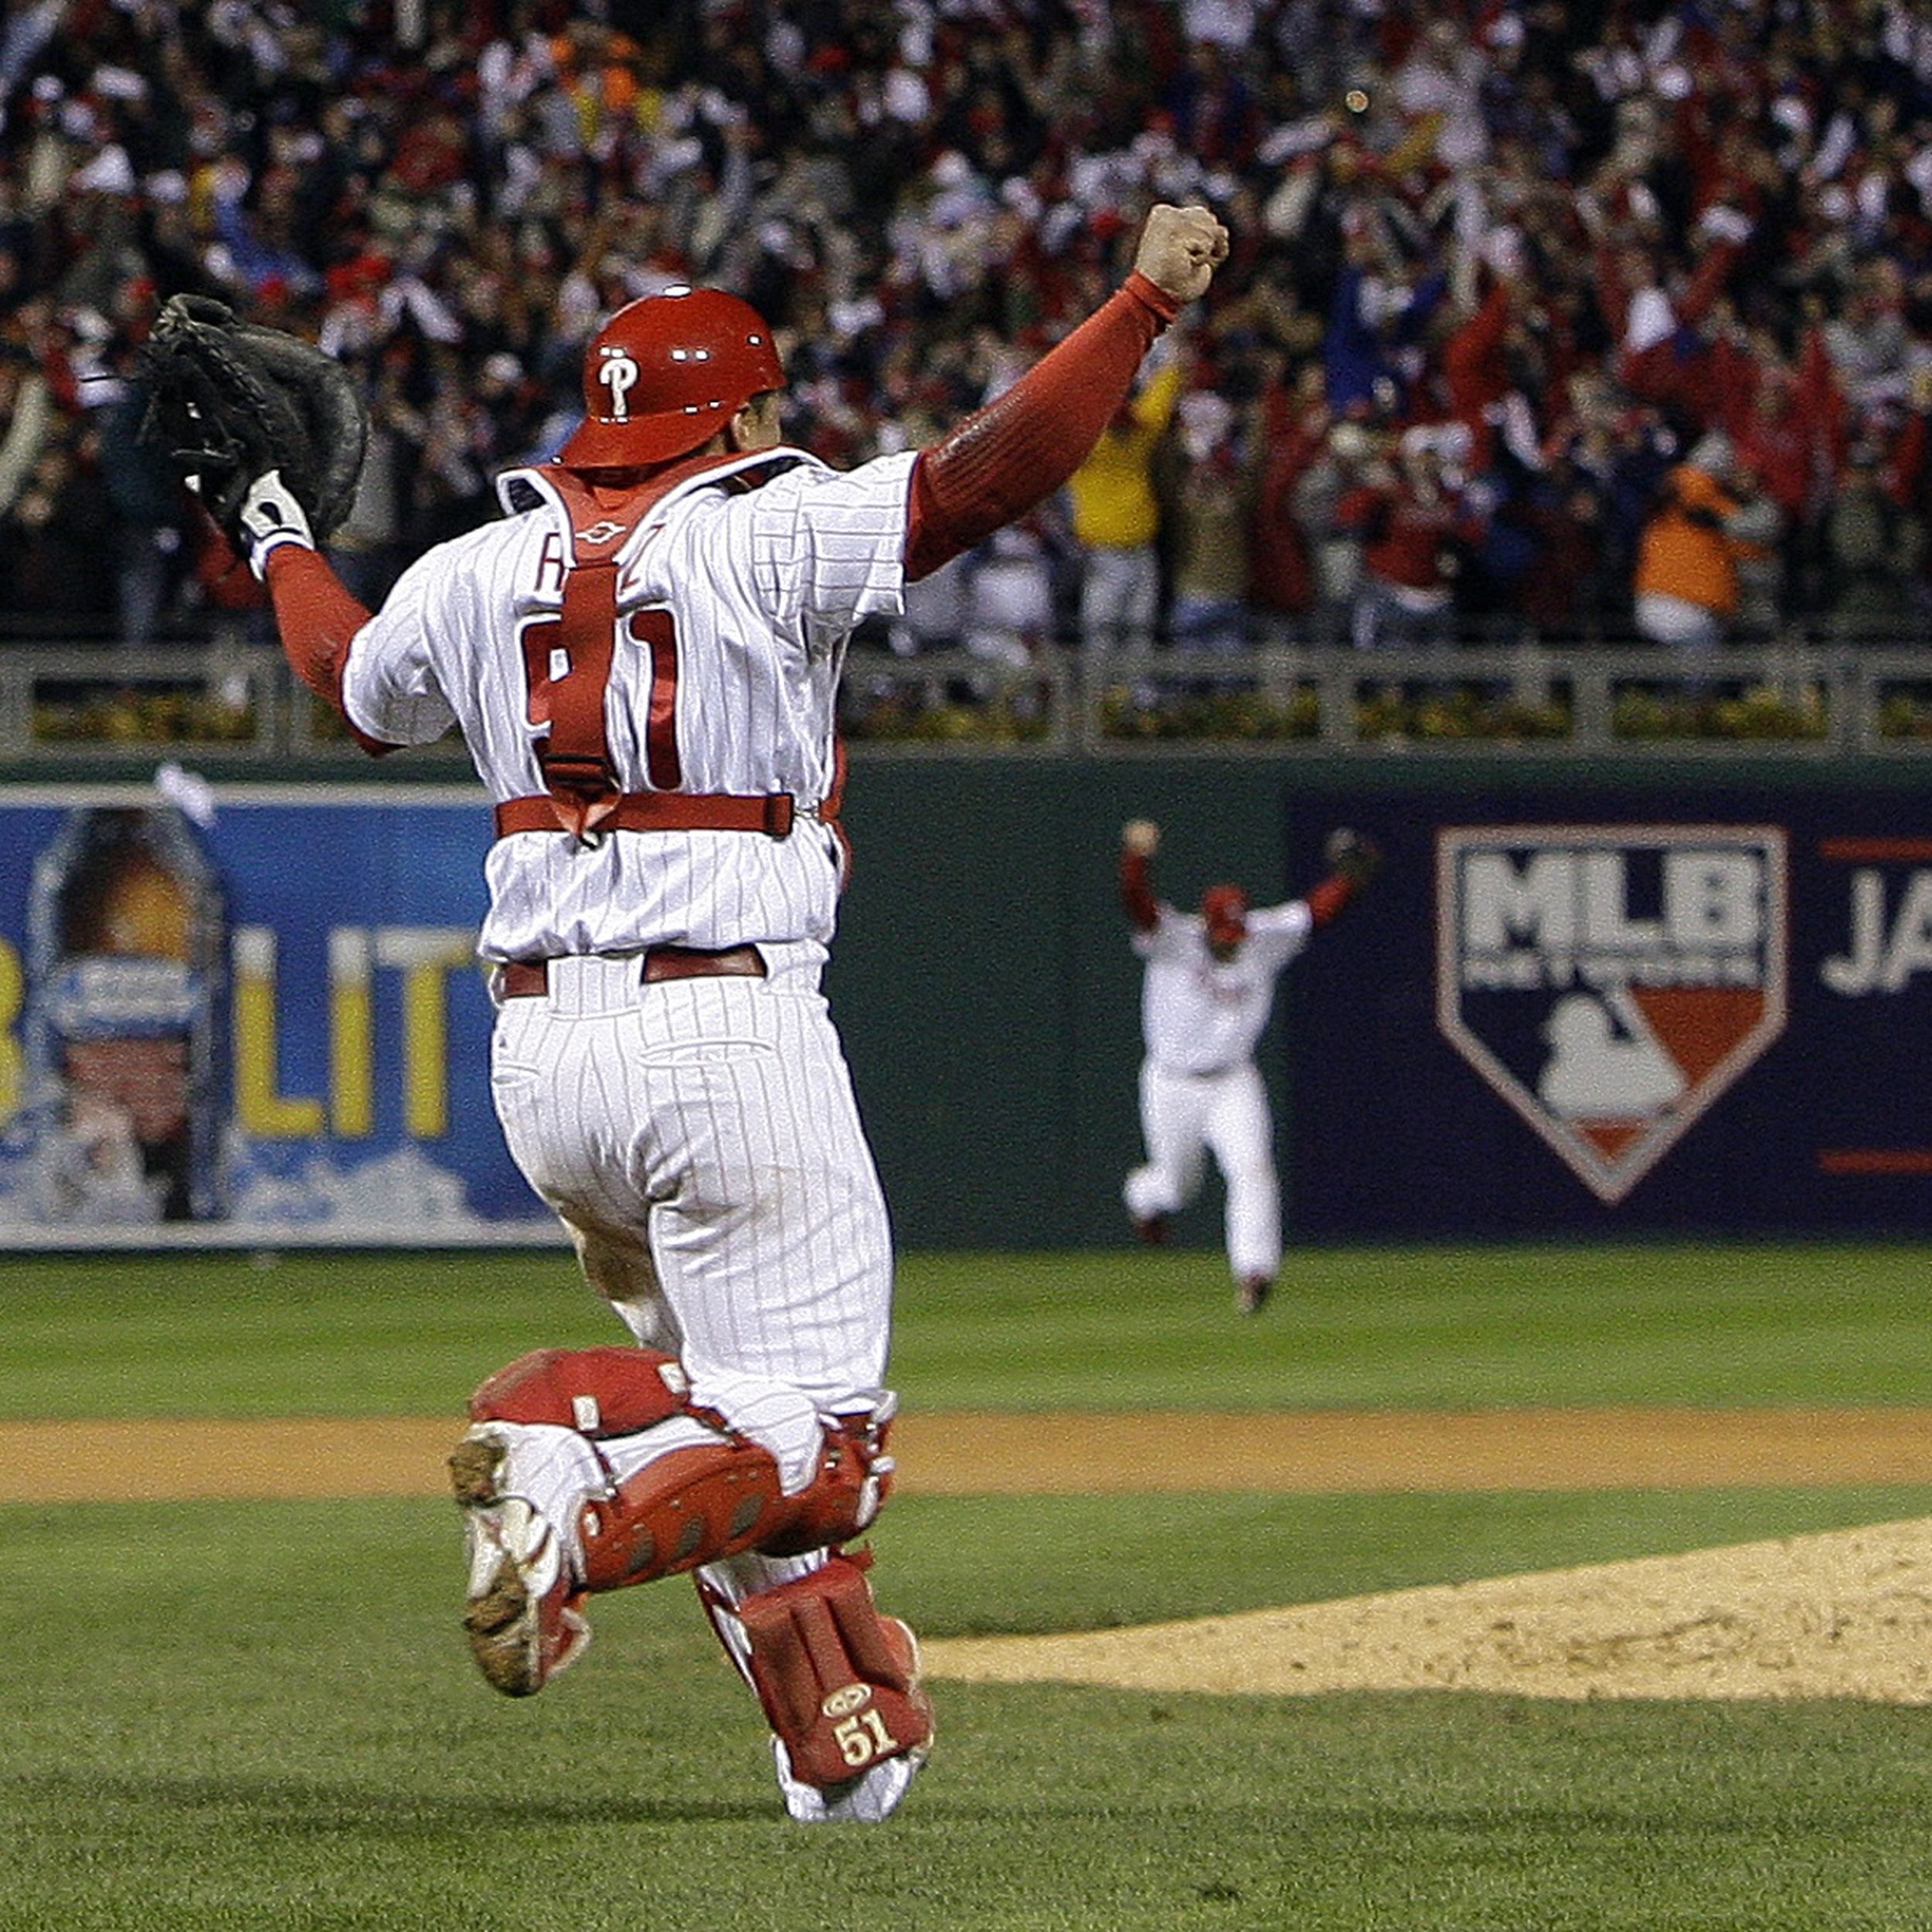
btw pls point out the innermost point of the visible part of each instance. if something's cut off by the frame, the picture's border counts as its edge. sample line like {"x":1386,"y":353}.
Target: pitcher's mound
{"x":1845,"y":1614}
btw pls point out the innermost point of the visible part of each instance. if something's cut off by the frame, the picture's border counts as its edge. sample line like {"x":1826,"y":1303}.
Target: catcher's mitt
{"x":1354,"y":856}
{"x":233,"y":400}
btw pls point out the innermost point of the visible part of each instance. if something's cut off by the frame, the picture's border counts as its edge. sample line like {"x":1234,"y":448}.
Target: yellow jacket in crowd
{"x":1114,"y":505}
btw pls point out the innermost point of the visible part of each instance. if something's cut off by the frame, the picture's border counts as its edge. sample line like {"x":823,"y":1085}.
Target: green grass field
{"x":261,"y":1715}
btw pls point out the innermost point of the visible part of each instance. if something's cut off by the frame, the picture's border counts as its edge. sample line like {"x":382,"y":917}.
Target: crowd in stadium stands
{"x":1577,"y":319}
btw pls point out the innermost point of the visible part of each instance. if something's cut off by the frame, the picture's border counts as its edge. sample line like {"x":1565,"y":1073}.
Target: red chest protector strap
{"x":570,"y":660}
{"x":581,"y":793}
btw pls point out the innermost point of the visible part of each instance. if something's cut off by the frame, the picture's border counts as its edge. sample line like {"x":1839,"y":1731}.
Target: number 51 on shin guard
{"x":839,"y":1682}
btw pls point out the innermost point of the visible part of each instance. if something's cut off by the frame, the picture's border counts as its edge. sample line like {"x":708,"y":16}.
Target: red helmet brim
{"x":597,"y":445}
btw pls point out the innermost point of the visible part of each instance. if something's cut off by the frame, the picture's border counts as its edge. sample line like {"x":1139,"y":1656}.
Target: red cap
{"x":1225,"y":910}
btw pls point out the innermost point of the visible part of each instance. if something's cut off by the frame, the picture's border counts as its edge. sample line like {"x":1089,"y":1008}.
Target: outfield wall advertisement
{"x":1577,"y":1015}
{"x":259,"y":1020}
{"x":263,"y":1024}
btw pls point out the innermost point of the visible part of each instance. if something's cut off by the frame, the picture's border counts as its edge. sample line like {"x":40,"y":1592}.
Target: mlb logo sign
{"x":1610,"y":981}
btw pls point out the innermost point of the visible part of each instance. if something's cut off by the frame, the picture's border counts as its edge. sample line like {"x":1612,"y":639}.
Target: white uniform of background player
{"x":643,"y":660}
{"x":1206,"y":997}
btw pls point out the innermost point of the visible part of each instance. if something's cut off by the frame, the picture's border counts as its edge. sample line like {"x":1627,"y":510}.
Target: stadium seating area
{"x":1552,"y":321}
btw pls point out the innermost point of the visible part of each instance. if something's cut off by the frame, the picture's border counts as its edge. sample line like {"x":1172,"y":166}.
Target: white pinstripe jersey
{"x":735,"y":607}
{"x":1197,"y":1014}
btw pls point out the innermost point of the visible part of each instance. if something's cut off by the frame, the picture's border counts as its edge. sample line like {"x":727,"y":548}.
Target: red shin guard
{"x":690,"y":1506}
{"x":839,"y":1683}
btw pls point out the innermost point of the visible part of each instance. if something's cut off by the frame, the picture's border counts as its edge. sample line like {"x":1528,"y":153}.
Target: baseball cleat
{"x":1251,"y":1293}
{"x":1151,"y":1229}
{"x":522,"y":1617}
{"x":867,"y":1800}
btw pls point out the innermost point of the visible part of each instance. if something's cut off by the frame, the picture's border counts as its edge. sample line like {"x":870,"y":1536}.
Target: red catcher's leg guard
{"x":839,"y":1683}
{"x":855,"y":1478}
{"x":597,"y":1392}
{"x":695,"y":1504}
{"x":690,"y":1506}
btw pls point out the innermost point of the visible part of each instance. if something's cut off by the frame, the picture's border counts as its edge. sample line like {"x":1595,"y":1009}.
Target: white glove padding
{"x":270,"y":517}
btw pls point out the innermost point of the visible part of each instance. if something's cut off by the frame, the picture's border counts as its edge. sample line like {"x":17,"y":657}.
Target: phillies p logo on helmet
{"x":618,"y":374}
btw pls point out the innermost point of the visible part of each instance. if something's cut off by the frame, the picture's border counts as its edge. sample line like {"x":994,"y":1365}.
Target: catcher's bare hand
{"x":1180,"y":248}
{"x":1141,"y":836}
{"x":1352,"y":854}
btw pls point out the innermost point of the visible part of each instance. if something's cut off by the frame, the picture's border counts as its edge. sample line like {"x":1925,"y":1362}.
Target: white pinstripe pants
{"x":700,"y":1139}
{"x":1185,"y":1116}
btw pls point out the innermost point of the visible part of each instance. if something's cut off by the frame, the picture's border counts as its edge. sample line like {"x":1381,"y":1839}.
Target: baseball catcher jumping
{"x":643,"y":656}
{"x":266,"y":430}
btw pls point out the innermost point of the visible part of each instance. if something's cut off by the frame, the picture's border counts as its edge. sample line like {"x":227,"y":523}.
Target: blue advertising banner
{"x":1614,"y":1013}
{"x":268,"y":1028}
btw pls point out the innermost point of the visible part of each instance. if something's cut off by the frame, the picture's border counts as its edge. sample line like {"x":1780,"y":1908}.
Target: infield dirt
{"x":1843,"y":1614}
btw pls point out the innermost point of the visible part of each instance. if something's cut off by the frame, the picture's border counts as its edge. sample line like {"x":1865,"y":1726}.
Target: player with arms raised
{"x":1206,"y":994}
{"x":643,"y":657}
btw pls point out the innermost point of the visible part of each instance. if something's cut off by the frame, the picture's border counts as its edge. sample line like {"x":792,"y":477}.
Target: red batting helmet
{"x":1224,"y":909}
{"x":665,"y":373}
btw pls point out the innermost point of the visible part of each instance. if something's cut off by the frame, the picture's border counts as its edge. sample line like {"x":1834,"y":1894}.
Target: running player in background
{"x":1208,"y":990}
{"x":643,"y":657}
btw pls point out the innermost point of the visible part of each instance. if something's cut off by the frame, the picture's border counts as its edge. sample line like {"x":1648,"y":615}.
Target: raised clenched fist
{"x":1141,"y":836}
{"x":1180,"y":248}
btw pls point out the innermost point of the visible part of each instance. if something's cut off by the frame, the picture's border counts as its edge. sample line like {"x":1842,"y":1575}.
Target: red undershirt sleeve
{"x":1023,"y":445}
{"x":316,"y":618}
{"x":1329,"y":898}
{"x":1137,"y":891}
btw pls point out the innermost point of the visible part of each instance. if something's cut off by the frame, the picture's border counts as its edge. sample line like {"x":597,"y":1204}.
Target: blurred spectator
{"x":1687,"y":590}
{"x":1760,"y":534}
{"x":1208,"y":512}
{"x":934,"y":618}
{"x":1567,"y":592}
{"x":1786,"y":423}
{"x":1116,"y":517}
{"x":27,"y":409}
{"x":1412,"y":523}
{"x":1292,"y":435}
{"x":52,"y":540}
{"x":149,"y":508}
{"x":1009,"y":614}
{"x":1874,"y":552}
{"x":1347,"y":462}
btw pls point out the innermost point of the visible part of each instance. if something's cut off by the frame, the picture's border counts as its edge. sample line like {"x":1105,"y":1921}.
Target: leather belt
{"x":770,"y":813}
{"x":530,"y":978}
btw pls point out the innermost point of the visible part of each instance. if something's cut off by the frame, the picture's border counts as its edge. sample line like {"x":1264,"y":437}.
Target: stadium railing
{"x":76,"y":704}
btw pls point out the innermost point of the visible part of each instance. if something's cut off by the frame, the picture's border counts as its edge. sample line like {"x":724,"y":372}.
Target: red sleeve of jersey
{"x":1326,"y":900}
{"x":316,"y":617}
{"x":1024,"y":444}
{"x":1137,"y":891}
